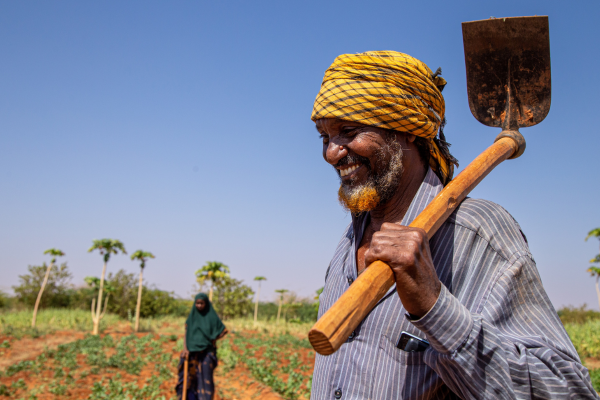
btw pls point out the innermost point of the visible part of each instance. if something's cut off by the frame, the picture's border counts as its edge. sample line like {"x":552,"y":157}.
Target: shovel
{"x":508,"y":85}
{"x":185,"y":379}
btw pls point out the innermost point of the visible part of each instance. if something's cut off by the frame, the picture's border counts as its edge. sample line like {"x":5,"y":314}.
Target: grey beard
{"x":386,"y":183}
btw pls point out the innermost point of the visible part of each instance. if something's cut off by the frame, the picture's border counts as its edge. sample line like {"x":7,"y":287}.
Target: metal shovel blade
{"x":508,"y":70}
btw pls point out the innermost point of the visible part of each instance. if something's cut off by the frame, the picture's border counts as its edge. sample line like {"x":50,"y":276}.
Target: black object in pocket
{"x":411,"y":343}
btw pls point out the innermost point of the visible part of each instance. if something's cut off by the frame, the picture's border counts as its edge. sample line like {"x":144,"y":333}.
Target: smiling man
{"x":468,"y":317}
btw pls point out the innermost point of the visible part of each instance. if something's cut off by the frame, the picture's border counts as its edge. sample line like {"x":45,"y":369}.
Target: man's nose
{"x":334,"y":152}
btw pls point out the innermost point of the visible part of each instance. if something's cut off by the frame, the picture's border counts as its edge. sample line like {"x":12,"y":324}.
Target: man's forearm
{"x":479,"y":361}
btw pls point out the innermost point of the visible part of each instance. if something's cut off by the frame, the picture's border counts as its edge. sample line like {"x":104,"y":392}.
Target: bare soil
{"x":237,"y":384}
{"x":28,"y":348}
{"x":592,"y":363}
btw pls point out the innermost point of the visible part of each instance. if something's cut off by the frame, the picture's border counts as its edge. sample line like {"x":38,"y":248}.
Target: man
{"x":472,"y":292}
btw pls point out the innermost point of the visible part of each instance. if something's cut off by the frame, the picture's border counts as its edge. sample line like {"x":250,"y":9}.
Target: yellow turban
{"x":389,"y":90}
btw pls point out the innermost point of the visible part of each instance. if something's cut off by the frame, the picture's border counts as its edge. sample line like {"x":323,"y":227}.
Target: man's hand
{"x":185,"y":353}
{"x":406,"y":251}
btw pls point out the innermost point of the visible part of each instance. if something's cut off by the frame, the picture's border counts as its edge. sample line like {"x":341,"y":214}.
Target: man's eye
{"x":351,"y":131}
{"x":324,"y":138}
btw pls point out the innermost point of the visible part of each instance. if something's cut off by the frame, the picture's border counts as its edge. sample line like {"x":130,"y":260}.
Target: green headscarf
{"x":202,"y":327}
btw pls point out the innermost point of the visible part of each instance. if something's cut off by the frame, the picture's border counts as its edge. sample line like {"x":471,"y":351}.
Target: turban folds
{"x":389,"y":90}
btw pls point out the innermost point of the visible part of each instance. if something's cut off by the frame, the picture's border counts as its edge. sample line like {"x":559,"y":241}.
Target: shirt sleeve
{"x":512,"y":347}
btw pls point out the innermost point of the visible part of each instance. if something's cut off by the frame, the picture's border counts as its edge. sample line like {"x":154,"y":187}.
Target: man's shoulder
{"x":492,"y":223}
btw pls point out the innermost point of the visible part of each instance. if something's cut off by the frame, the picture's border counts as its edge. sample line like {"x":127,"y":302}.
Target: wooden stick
{"x":334,"y":327}
{"x":185,"y":379}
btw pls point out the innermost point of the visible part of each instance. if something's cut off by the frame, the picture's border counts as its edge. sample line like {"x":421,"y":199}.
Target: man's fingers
{"x":389,"y":226}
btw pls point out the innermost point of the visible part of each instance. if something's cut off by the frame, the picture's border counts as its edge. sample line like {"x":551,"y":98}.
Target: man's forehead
{"x":324,"y":124}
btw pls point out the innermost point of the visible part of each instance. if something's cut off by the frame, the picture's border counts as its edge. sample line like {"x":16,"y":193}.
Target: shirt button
{"x":350,"y":280}
{"x":352,"y":335}
{"x":338,"y":393}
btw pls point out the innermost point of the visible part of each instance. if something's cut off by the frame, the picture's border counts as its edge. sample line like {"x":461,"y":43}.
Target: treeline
{"x":231,"y":298}
{"x":121,"y":289}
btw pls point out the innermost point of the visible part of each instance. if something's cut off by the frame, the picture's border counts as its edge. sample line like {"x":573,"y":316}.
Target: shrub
{"x":300,"y":311}
{"x":123,"y":298}
{"x":585,"y":337}
{"x":57,"y":292}
{"x":595,"y":375}
{"x":232,"y":298}
{"x":3,"y":299}
{"x":576,"y":315}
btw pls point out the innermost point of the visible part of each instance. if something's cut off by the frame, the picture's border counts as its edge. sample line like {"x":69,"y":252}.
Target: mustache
{"x":354,"y":159}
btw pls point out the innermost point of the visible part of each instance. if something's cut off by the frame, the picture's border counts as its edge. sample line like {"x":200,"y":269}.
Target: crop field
{"x":60,"y":359}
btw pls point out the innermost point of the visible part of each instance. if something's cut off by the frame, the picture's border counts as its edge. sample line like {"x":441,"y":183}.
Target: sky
{"x":183,"y":128}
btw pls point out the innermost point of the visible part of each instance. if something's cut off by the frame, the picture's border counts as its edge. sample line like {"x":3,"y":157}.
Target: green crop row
{"x":268,"y":358}
{"x":585,"y":337}
{"x":129,"y":355}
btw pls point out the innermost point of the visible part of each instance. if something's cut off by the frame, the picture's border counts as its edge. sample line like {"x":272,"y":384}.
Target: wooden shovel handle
{"x":334,"y":327}
{"x":185,"y":379}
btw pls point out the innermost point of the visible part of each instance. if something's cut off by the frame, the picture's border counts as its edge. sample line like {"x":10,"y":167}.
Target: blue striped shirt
{"x":493,"y":332}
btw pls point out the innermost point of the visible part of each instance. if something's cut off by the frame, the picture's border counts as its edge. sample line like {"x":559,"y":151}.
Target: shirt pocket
{"x":388,"y":350}
{"x":398,"y":374}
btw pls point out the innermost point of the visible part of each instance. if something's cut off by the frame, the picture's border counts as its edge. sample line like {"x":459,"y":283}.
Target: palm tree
{"x":106,"y":247}
{"x":54,"y":253}
{"x":593,"y":270}
{"x":109,"y":289}
{"x":259,"y":279}
{"x":213,"y":271}
{"x":281,"y":292}
{"x":141,"y":256}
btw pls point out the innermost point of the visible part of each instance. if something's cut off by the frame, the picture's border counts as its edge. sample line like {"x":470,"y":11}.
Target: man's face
{"x":368,"y":161}
{"x":200,"y":305}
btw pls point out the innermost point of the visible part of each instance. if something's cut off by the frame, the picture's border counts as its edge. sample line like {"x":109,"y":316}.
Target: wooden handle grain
{"x":334,"y":327}
{"x":184,"y":393}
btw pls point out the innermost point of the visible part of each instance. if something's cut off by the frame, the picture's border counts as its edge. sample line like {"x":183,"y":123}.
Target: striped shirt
{"x":493,"y":332}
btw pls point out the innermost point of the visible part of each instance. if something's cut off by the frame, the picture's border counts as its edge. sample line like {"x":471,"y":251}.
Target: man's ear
{"x":410,"y":137}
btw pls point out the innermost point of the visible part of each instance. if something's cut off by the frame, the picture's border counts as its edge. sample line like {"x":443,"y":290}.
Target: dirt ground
{"x":237,"y":384}
{"x":28,"y":348}
{"x":592,"y":363}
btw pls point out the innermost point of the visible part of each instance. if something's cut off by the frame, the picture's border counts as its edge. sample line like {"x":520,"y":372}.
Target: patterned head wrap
{"x":389,"y":90}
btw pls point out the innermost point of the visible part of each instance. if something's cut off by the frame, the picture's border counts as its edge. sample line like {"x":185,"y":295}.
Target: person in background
{"x":203,"y":328}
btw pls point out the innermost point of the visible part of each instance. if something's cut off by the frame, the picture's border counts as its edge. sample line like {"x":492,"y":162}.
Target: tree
{"x":94,"y":283}
{"x":57,"y":292}
{"x":106,"y":247}
{"x":141,"y":256}
{"x":212,"y":271}
{"x":281,"y":292}
{"x":232,"y":298}
{"x":593,"y":270}
{"x":259,"y":279}
{"x":54,"y":253}
{"x":124,"y":287}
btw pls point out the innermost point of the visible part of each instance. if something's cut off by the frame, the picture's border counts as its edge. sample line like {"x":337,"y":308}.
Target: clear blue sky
{"x":183,"y":128}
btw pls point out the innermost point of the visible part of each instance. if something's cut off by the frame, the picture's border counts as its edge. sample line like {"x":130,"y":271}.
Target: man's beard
{"x":379,"y":187}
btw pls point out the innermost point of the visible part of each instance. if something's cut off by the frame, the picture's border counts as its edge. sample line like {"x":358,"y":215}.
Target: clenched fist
{"x":406,"y":251}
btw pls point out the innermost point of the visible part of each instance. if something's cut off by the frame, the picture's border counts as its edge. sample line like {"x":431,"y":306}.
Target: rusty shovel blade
{"x":508,"y":70}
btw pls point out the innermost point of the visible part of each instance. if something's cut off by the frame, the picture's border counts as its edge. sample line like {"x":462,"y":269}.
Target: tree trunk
{"x":139,"y":303}
{"x":99,"y":304}
{"x":210,"y":291}
{"x":598,"y":289}
{"x":39,"y":297}
{"x":256,"y":306}
{"x":279,"y":310}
